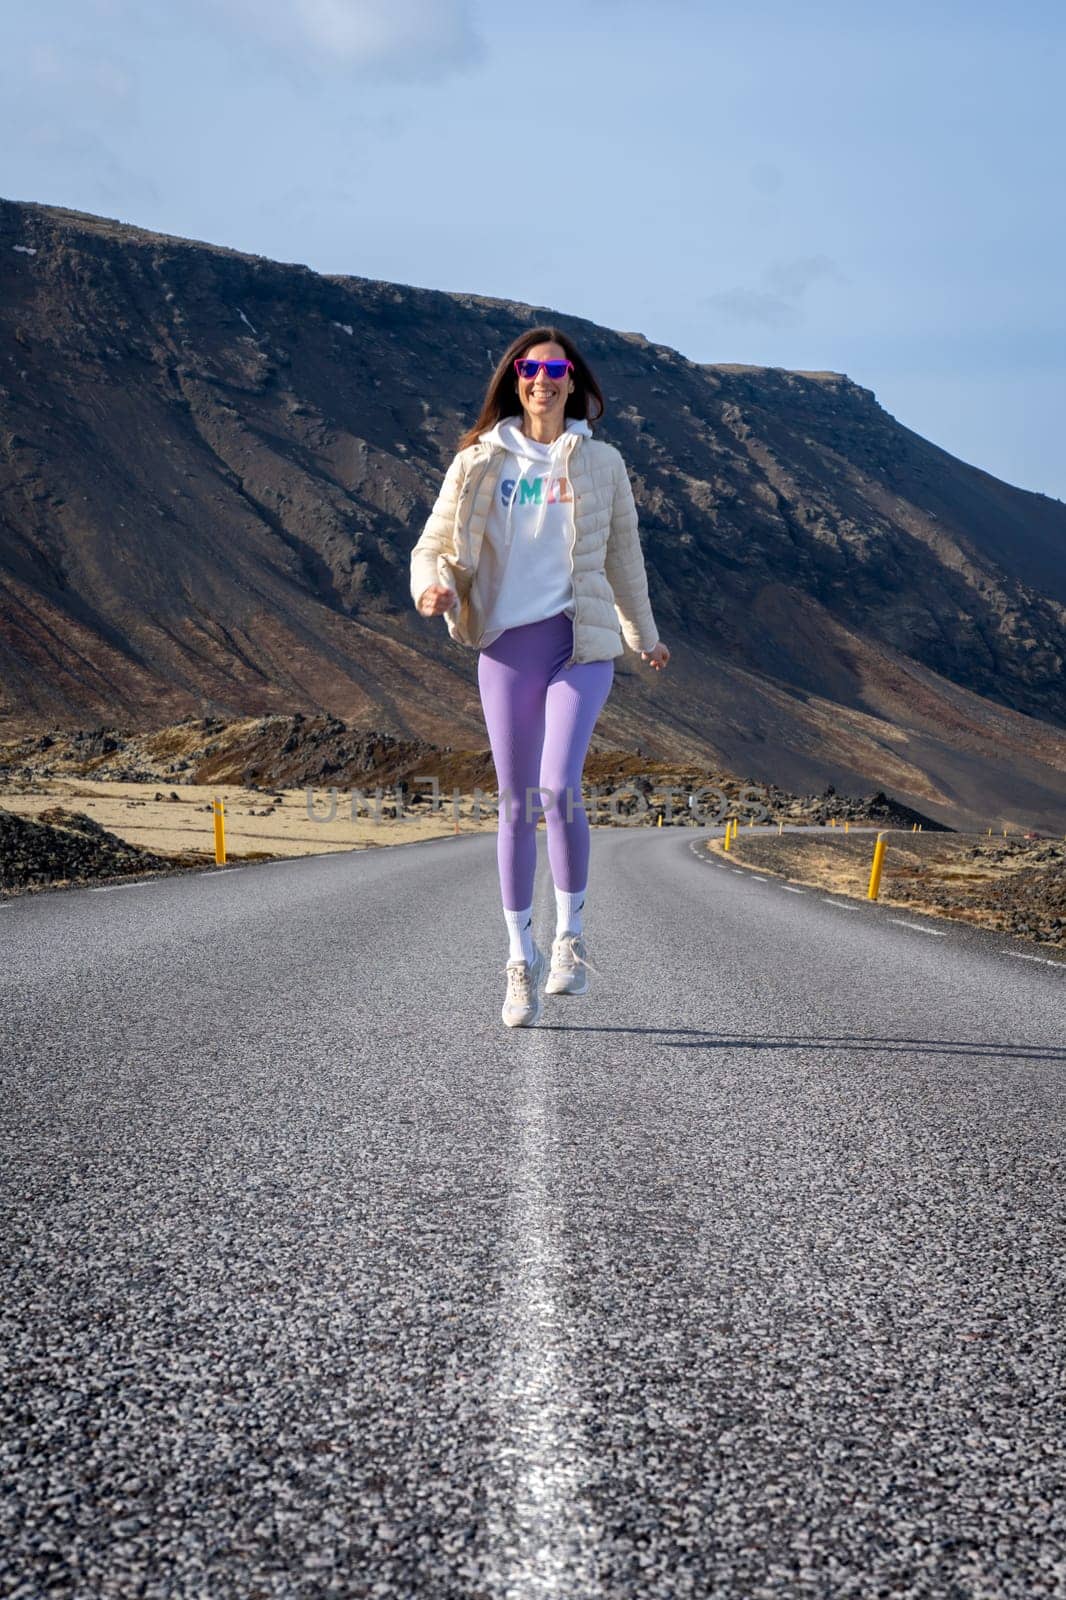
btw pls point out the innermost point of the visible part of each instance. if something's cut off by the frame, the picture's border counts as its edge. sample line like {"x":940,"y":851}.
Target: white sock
{"x":568,"y":906}
{"x":520,"y":933}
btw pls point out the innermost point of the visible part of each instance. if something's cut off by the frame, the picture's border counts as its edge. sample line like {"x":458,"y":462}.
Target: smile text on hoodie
{"x":524,"y":568}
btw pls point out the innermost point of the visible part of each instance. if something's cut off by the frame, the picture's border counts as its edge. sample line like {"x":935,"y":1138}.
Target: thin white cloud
{"x":404,"y":38}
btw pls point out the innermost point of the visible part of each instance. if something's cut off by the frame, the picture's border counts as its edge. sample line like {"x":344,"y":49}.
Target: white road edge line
{"x":918,"y":927}
{"x":106,"y":888}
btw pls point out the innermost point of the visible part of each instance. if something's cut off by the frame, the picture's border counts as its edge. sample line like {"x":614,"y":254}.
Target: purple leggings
{"x":540,"y":714}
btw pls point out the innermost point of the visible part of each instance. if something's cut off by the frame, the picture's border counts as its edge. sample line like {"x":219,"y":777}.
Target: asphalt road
{"x":742,"y":1276}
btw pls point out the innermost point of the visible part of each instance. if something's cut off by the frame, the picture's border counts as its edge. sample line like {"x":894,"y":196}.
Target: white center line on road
{"x":919,"y":927}
{"x":790,"y":890}
{"x":543,"y":1536}
{"x":1044,"y":960}
{"x":841,"y":905}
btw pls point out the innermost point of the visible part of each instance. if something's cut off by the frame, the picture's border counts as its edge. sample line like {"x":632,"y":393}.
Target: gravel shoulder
{"x":1014,"y":886}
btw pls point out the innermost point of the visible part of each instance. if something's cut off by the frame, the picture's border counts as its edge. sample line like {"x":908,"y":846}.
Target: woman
{"x":531,"y":553}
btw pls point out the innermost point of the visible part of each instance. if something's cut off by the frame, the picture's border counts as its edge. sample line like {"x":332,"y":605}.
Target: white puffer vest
{"x":607,"y":564}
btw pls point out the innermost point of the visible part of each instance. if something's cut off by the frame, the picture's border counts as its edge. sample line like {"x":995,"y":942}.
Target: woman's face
{"x":540,"y":398}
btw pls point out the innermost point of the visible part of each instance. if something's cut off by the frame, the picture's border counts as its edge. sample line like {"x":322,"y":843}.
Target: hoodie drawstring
{"x":559,"y":451}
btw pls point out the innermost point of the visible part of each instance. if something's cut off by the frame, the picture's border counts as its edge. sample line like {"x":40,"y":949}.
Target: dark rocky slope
{"x":213,"y":467}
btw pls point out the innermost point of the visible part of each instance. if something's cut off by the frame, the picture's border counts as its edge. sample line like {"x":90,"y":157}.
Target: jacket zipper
{"x":573,"y":545}
{"x":469,"y":490}
{"x":471,"y":487}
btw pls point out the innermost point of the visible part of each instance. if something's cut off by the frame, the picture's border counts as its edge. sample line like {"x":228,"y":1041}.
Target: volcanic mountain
{"x":213,"y":467}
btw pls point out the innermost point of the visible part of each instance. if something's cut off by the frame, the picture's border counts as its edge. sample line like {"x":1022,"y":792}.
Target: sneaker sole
{"x":522,"y":1022}
{"x":563,"y":986}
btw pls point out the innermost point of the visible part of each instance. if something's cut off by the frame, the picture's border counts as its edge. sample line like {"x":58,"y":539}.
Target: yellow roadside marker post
{"x":219,"y":809}
{"x":727,"y":836}
{"x":875,"y":870}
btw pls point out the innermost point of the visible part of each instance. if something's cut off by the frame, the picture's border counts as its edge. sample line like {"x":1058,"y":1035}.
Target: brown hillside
{"x":213,"y":467}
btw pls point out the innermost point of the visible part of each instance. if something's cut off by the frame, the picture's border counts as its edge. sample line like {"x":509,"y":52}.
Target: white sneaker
{"x":569,"y":969}
{"x":522,"y":1006}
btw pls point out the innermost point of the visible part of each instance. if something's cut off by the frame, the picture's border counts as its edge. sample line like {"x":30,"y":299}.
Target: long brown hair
{"x":501,"y":396}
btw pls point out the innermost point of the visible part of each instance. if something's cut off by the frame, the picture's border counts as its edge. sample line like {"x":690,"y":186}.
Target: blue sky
{"x":870,"y":189}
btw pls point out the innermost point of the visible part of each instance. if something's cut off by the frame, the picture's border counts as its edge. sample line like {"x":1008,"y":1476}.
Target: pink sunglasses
{"x":555,"y":369}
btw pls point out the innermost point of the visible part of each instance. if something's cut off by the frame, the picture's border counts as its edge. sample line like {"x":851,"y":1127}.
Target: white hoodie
{"x":524,"y":564}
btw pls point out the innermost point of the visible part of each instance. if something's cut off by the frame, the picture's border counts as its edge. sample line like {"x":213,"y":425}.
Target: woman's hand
{"x":658,"y":655}
{"x":435,"y":599}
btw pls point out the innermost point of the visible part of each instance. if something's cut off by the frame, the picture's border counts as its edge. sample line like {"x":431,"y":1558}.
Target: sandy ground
{"x":259,"y":824}
{"x":256,"y":824}
{"x":929,"y":873}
